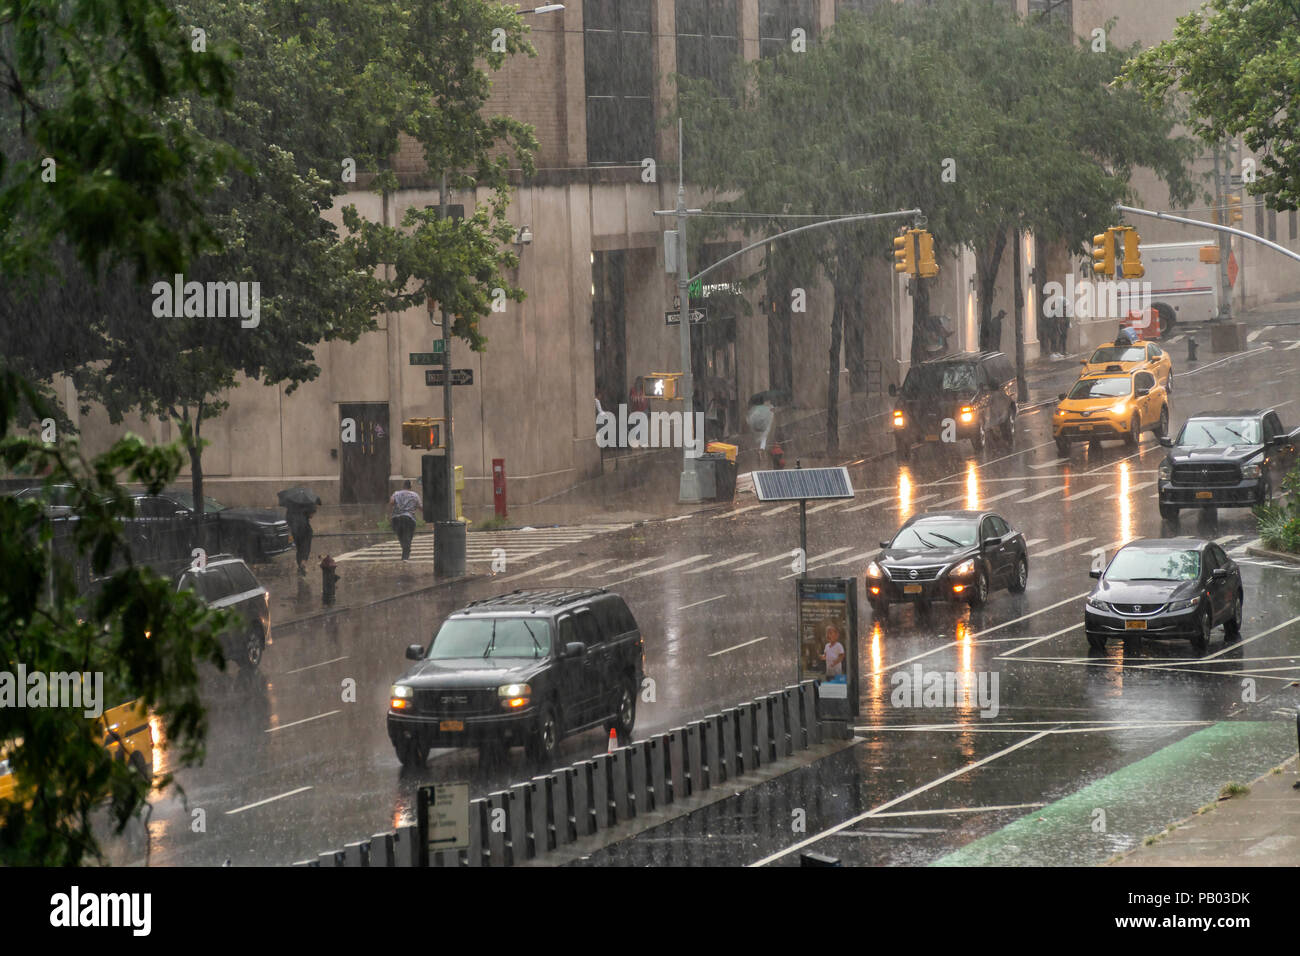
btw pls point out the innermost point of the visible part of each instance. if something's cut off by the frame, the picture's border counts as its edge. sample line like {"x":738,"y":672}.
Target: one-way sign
{"x":459,"y":376}
{"x":675,"y":318}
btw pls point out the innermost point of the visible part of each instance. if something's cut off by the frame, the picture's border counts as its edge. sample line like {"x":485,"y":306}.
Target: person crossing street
{"x":404,"y":504}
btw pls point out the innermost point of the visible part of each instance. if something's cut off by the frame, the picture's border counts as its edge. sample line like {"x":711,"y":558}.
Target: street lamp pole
{"x":450,"y":504}
{"x":689,"y":490}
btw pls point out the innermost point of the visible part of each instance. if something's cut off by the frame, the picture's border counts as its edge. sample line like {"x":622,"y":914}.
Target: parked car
{"x":1225,"y":460}
{"x":1109,"y":406}
{"x":1179,"y":588}
{"x":227,"y":583}
{"x":976,"y":393}
{"x":948,"y":556}
{"x":163,"y":528}
{"x":57,"y":499}
{"x":1145,"y":356}
{"x":529,"y":667}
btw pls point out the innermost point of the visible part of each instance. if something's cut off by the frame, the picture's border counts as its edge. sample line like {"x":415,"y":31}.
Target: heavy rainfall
{"x":648,"y":433}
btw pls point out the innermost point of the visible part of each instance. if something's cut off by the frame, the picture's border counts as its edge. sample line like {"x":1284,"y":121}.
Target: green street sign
{"x":696,"y":288}
{"x":439,"y":345}
{"x":436,"y":357}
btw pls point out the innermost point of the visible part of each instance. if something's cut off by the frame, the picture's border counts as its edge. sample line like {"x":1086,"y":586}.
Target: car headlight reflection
{"x":1250,"y":471}
{"x":1098,"y":603}
{"x":966,"y":567}
{"x":1184,"y":605}
{"x":514,"y":696}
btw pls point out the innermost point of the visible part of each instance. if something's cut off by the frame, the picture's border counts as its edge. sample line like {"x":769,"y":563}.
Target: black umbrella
{"x":777,"y":396}
{"x":298,"y":496}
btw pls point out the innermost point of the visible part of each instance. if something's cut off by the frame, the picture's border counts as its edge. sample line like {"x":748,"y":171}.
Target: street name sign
{"x":675,"y":318}
{"x":459,"y":376}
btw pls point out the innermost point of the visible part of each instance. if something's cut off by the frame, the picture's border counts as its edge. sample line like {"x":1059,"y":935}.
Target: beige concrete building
{"x":592,"y":264}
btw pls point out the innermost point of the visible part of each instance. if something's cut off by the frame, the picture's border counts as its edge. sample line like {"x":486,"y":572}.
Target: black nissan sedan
{"x":948,"y":556}
{"x":1166,"y":588}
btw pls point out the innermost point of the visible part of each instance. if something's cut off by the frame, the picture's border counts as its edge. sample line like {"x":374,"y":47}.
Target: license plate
{"x":1205,"y":494}
{"x":451,"y":725}
{"x":1135,"y":625}
{"x":911,"y":589}
{"x":931,"y":437}
{"x":1085,"y":428}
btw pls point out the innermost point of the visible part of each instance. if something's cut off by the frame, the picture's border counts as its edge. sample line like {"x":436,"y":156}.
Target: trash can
{"x":449,"y":549}
{"x":724,"y":471}
{"x":722,"y":484}
{"x":706,"y":476}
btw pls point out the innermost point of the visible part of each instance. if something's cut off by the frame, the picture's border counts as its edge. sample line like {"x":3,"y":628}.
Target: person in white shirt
{"x":404,"y":503}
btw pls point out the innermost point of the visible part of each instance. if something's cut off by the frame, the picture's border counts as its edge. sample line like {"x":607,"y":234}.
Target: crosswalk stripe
{"x":1258,"y":332}
{"x":1033,"y":541}
{"x":531,"y":571}
{"x":778,"y":509}
{"x":668,"y":567}
{"x":1083,"y":494}
{"x":1133,"y":488}
{"x":737,"y":511}
{"x":815,"y":561}
{"x":1292,"y":346}
{"x":585,"y":567}
{"x":852,"y":558}
{"x":829,"y":504}
{"x":1175,"y":340}
{"x":1063,"y":547}
{"x":1005,"y":494}
{"x":1041,"y":494}
{"x":1109,"y":546}
{"x":783,"y":556}
{"x":870,"y":504}
{"x":951,"y":501}
{"x":628,"y":567}
{"x":1049,"y":464}
{"x":723,"y":563}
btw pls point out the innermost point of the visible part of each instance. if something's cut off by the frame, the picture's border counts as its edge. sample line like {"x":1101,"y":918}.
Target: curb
{"x":326,"y":612}
{"x":1286,"y":556}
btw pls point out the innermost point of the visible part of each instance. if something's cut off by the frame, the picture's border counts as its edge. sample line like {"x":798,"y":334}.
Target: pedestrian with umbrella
{"x":299,"y":505}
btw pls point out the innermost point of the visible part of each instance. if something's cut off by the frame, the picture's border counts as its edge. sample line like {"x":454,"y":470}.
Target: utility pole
{"x":446,"y":375}
{"x":689,"y":489}
{"x":1225,"y":242}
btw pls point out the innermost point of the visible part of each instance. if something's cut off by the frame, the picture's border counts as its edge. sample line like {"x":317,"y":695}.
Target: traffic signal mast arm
{"x":1209,"y":225}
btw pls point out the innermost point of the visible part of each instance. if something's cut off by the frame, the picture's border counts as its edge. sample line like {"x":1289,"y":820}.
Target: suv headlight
{"x":1250,"y":471}
{"x":1184,"y":605}
{"x":1119,"y":408}
{"x":966,"y":567}
{"x":874,"y":570}
{"x":514,"y":696}
{"x":399,"y":697}
{"x":1060,"y":412}
{"x":1098,"y":603}
{"x":899,"y":420}
{"x":1165,"y":471}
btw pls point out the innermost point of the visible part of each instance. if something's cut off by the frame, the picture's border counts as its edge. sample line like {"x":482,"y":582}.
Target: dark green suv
{"x":526,"y":668}
{"x":955,"y":397}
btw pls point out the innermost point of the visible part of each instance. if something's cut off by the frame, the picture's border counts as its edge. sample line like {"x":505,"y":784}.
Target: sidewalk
{"x":1261,"y":828}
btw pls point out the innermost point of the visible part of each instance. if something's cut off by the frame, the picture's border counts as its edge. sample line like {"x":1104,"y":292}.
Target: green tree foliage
{"x":145,"y":639}
{"x":1237,"y":64}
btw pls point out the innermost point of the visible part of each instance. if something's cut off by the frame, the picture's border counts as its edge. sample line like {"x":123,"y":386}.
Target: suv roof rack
{"x":535,"y":598}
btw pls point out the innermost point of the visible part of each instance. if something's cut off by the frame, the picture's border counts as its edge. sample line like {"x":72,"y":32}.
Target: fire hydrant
{"x":778,"y":456}
{"x":328,"y":579}
{"x":1191,"y":349}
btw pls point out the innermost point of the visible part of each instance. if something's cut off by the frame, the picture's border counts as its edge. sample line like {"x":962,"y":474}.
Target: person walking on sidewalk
{"x":404,"y":504}
{"x":298,"y":516}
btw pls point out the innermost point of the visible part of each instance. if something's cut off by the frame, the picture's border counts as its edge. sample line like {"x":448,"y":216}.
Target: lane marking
{"x":870,"y":504}
{"x":579,"y":570}
{"x":1083,"y":494}
{"x":1039,"y":640}
{"x":1049,"y":464}
{"x":723,"y":563}
{"x":860,"y":556}
{"x":305,"y":720}
{"x":737,"y":511}
{"x":267,"y":800}
{"x":687,"y":607}
{"x":736,"y":647}
{"x":1252,"y":336}
{"x":785,"y":556}
{"x":1132,"y":489}
{"x":1025,"y":617}
{"x":829,"y":504}
{"x":1033,"y":541}
{"x":667,"y":567}
{"x":299,"y":670}
{"x":537,"y":570}
{"x":812,"y":561}
{"x":777,"y":510}
{"x":1042,"y":494}
{"x":1106,"y":547}
{"x":999,"y":497}
{"x":1014,"y":454}
{"x":1062,"y":547}
{"x":926,"y":813}
{"x":619,"y":569}
{"x":1292,"y":347}
{"x":1254,"y":637}
{"x":897,"y":800}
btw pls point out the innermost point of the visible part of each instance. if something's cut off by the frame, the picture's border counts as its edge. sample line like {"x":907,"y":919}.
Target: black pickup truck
{"x":1225,"y":460}
{"x":529,"y":667}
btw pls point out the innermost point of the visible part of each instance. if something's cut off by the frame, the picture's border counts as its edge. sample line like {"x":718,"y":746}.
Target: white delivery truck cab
{"x":1182,"y":287}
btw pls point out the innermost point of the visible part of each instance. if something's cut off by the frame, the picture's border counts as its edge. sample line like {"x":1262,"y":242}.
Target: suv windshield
{"x":1162,"y":564}
{"x":1113,"y":353}
{"x":936,"y":534}
{"x":462,"y":637}
{"x":929,"y":380}
{"x":1101,"y":387}
{"x":186,"y":500}
{"x":1210,"y":432}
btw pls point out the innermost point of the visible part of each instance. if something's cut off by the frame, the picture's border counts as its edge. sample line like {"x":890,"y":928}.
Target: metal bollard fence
{"x":709,"y":734}
{"x":808,"y":701}
{"x":521,"y":836}
{"x":657,"y":755}
{"x":694,"y":759}
{"x":601,"y":798}
{"x":580,"y":779}
{"x":357,"y":854}
{"x":406,"y":851}
{"x":478,"y":832}
{"x":638,"y":755}
{"x":620,"y":784}
{"x":498,"y":837}
{"x":678,"y":788}
{"x":748,"y":750}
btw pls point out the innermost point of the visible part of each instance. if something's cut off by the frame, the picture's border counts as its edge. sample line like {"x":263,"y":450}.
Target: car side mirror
{"x":1061,"y":397}
{"x":1083,"y":361}
{"x":1142,"y":390}
{"x":1095,"y":573}
{"x":1166,"y":442}
{"x":989,"y":543}
{"x":893,"y":389}
{"x":414,"y":652}
{"x":575,"y":649}
{"x":885,"y":545}
{"x":1219,"y":573}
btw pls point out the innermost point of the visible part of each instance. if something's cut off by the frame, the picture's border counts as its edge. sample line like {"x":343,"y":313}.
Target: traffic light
{"x":1103,"y":253}
{"x":905,"y":253}
{"x":1234,"y":208}
{"x":423,"y":433}
{"x":662,"y":385}
{"x":1132,"y":268}
{"x":927,"y":266}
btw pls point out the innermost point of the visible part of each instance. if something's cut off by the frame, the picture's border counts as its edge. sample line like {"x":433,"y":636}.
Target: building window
{"x":609,"y":326}
{"x":620,"y":81}
{"x":706,"y":41}
{"x":1055,"y":11}
{"x":777,"y":19}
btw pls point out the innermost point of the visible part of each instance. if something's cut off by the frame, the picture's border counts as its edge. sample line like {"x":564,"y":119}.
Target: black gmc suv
{"x":1225,"y":460}
{"x":976,"y":393}
{"x":529,"y":667}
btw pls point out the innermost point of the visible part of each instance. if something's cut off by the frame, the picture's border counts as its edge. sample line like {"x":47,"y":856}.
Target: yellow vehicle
{"x":1110,"y":406}
{"x":124,"y":730}
{"x":1131,"y":358}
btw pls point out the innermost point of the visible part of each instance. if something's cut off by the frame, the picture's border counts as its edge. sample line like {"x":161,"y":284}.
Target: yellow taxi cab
{"x":125,"y":732}
{"x":1110,"y":406}
{"x":1130,"y":358}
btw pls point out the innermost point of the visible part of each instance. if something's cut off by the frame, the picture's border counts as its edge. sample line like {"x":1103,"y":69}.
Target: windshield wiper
{"x":537,"y":648}
{"x":955,"y":544}
{"x":1235,"y":432}
{"x":1210,"y":435}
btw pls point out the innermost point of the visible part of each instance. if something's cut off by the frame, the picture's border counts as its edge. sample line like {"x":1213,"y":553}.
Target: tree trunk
{"x":1022,"y":388}
{"x":987,"y":262}
{"x":833,"y":382}
{"x":195,"y":448}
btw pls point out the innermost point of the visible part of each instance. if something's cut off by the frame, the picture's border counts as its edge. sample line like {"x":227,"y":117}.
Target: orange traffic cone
{"x":613,"y":741}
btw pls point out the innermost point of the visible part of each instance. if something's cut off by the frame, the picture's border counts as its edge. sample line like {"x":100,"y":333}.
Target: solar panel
{"x":798,"y":484}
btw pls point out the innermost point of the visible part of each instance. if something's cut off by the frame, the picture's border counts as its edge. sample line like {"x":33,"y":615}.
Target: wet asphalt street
{"x":295,"y":766}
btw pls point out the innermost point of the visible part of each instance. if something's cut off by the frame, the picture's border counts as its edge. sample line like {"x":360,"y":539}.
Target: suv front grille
{"x":903,"y":574}
{"x":1210,"y":473}
{"x":455,"y":702}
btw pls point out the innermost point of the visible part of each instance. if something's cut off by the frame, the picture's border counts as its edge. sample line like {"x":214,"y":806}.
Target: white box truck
{"x":1182,"y":288}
